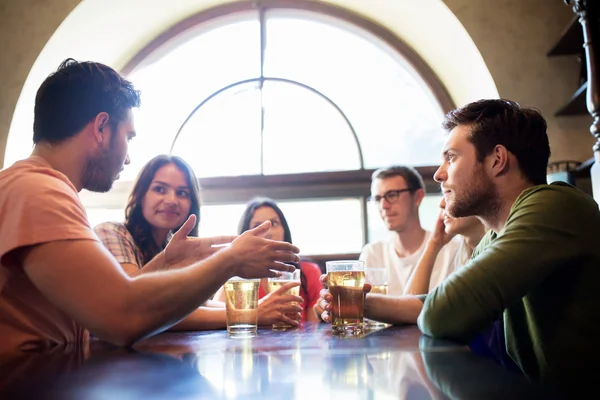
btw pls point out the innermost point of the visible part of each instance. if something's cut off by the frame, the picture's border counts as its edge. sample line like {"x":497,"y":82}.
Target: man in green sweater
{"x":539,"y":265}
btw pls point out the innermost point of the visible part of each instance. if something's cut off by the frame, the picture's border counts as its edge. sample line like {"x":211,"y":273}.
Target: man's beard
{"x":100,"y":171}
{"x":479,"y":198}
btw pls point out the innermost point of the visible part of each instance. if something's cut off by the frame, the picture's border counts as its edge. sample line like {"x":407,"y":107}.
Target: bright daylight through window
{"x":328,"y":96}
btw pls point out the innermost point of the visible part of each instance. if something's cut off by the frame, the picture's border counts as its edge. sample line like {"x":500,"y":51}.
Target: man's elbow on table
{"x":125,"y":332}
{"x":117,"y":332}
{"x":124,"y":324}
{"x":439,"y":326}
{"x":119,"y":338}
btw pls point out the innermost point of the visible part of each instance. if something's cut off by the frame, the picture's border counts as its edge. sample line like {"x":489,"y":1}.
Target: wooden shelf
{"x":575,"y":106}
{"x":570,"y":42}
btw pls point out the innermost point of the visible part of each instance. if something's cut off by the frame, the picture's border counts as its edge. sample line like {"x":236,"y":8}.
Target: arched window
{"x":295,"y":100}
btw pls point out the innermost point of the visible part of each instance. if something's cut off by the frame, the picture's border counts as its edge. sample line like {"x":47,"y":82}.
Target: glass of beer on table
{"x":241,"y":302}
{"x":377,"y":277}
{"x":345,"y":281}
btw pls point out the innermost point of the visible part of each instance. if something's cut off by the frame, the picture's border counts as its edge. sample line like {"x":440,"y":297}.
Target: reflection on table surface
{"x":310,"y":362}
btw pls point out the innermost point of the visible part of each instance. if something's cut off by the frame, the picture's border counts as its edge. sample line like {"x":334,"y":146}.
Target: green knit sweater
{"x":542,"y":274}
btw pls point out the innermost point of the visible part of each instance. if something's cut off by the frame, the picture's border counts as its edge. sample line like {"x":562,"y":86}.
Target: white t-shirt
{"x":383,"y":254}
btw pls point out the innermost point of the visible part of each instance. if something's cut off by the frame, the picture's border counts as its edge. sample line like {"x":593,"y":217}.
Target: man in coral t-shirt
{"x":57,"y":281}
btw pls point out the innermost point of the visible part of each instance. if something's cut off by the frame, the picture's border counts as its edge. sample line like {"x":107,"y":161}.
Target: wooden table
{"x":307,"y":363}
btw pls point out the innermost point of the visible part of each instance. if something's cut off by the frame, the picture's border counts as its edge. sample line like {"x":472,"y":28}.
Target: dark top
{"x":542,"y":274}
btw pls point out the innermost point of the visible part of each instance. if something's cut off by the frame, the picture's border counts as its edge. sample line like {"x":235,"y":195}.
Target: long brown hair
{"x":136,"y":224}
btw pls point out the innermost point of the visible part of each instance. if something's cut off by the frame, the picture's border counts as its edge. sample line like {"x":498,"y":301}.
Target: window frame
{"x":208,"y":16}
{"x":316,"y":185}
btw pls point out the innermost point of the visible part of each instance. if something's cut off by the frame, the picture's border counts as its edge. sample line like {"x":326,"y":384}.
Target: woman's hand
{"x":183,"y":250}
{"x":278,"y":306}
{"x":439,"y":236}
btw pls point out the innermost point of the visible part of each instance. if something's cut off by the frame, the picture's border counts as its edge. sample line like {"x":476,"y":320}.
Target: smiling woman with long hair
{"x":165,"y":194}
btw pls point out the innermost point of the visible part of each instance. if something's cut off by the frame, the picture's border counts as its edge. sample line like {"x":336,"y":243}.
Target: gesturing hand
{"x":184,"y":250}
{"x":257,"y":257}
{"x":274,"y":306}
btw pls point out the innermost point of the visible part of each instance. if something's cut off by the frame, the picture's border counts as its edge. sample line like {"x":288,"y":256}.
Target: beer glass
{"x":345,"y":281}
{"x":377,"y":277}
{"x":277,"y":282}
{"x":241,"y":302}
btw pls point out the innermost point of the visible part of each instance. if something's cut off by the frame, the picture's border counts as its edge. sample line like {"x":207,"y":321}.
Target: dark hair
{"x":75,"y":94}
{"x":136,"y":224}
{"x":413,"y":179}
{"x":248,"y":213}
{"x":521,"y":130}
{"x":254,"y":205}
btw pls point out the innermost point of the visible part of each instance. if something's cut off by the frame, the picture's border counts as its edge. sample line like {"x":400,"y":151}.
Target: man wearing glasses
{"x":397,"y":192}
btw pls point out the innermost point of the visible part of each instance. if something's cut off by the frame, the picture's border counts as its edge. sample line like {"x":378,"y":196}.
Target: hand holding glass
{"x":277,"y":282}
{"x":345,"y":280}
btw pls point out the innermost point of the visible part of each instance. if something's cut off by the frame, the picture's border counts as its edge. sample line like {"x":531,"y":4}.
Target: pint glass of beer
{"x":241,"y":302}
{"x":345,"y":280}
{"x":377,"y":277}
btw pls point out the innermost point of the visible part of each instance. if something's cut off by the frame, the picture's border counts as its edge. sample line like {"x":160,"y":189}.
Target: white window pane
{"x":325,"y":226}
{"x":98,"y":215}
{"x":300,"y":122}
{"x":394,"y":113}
{"x":175,"y":80}
{"x":318,"y":226}
{"x":395,"y":116}
{"x":217,"y":220}
{"x":223,"y":137}
{"x":428,"y":213}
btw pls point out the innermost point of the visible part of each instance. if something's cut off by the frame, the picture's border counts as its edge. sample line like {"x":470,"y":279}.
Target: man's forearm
{"x":156,"y":264}
{"x":214,"y":304}
{"x":159,"y":263}
{"x":170,"y":296}
{"x":396,"y":310}
{"x":202,"y":318}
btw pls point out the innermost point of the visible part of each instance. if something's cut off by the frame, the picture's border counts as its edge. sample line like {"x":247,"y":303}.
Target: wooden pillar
{"x":587,"y":11}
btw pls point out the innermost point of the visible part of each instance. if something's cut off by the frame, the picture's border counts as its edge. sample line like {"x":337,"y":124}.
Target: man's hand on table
{"x":323,"y":307}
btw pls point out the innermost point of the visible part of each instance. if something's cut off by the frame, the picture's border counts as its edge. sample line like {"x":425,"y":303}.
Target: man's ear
{"x":498,"y":160}
{"x":418,"y":196}
{"x":100,"y":124}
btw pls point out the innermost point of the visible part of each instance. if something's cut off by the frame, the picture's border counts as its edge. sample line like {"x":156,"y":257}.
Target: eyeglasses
{"x":391,"y":196}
